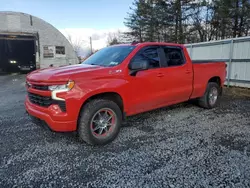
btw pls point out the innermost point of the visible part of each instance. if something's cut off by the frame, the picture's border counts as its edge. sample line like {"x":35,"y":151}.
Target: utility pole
{"x":91,"y":49}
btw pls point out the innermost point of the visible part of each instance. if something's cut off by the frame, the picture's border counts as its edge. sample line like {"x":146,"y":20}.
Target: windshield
{"x":109,"y":56}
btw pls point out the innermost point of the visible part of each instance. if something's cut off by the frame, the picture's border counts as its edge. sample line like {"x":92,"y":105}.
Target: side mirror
{"x":138,"y":65}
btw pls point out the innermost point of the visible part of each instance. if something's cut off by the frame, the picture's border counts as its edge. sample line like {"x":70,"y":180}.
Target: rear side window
{"x":149,"y":54}
{"x":174,"y":56}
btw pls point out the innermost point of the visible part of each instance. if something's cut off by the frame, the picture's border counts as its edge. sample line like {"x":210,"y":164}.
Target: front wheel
{"x":99,"y":122}
{"x":210,"y":98}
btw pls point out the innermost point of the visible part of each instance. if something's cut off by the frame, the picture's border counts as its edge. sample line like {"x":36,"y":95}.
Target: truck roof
{"x":150,"y":43}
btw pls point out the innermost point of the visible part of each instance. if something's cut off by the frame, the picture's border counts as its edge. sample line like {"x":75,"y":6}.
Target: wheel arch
{"x":113,"y":96}
{"x":215,"y":79}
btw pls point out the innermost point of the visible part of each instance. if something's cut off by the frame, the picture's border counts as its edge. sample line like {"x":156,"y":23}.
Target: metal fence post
{"x":191,"y":51}
{"x":230,"y":62}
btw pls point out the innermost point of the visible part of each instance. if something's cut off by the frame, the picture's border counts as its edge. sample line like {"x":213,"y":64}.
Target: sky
{"x":79,"y":18}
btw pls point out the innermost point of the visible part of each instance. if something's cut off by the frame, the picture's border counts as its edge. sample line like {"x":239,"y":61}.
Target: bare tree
{"x":77,"y":44}
{"x":113,"y":38}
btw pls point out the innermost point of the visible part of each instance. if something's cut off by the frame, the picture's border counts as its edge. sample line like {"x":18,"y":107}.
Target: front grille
{"x":40,"y":100}
{"x":40,"y":87}
{"x":46,"y":101}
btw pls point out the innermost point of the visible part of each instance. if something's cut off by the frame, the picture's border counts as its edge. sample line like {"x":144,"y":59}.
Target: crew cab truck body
{"x":118,"y":81}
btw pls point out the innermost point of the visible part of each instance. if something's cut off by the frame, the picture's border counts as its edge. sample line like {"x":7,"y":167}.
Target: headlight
{"x":12,"y":62}
{"x":65,"y":87}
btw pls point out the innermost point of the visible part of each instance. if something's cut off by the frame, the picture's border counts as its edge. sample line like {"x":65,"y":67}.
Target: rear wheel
{"x":210,"y":98}
{"x":99,"y":122}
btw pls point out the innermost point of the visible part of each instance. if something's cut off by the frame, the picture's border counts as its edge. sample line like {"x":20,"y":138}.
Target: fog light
{"x":55,"y":109}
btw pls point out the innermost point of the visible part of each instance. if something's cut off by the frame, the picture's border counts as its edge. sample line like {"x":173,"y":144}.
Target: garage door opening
{"x":17,"y":53}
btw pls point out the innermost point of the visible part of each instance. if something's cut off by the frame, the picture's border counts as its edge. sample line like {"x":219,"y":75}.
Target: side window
{"x":174,"y":56}
{"x":149,"y":54}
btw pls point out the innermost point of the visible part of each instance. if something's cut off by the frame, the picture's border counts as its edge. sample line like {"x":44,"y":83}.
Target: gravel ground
{"x":178,"y":146}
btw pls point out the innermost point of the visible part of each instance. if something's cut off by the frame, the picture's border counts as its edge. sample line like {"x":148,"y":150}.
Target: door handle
{"x":188,"y":71}
{"x":160,"y":75}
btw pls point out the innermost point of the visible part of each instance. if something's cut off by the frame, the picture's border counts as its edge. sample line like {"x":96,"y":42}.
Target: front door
{"x":146,"y":89}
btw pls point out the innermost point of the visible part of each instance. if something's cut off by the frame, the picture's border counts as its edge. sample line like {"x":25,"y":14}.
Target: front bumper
{"x":57,"y":121}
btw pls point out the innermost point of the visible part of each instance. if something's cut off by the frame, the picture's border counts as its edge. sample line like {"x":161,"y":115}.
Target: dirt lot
{"x":178,"y":146}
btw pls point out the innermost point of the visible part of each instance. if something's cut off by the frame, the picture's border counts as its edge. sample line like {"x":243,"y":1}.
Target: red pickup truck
{"x":93,"y":98}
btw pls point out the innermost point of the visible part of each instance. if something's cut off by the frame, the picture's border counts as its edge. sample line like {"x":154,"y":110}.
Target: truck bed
{"x":203,"y":71}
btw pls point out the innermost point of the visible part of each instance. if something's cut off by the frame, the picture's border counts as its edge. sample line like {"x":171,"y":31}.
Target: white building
{"x":29,"y":42}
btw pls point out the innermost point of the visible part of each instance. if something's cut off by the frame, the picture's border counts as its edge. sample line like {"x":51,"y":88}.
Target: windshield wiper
{"x":94,"y":64}
{"x":100,"y":65}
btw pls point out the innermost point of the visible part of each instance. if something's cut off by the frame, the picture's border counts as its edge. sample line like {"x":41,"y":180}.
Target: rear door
{"x":178,"y":73}
{"x":146,"y":88}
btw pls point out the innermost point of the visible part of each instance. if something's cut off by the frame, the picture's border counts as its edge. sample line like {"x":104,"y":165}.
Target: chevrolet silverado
{"x":94,"y":97}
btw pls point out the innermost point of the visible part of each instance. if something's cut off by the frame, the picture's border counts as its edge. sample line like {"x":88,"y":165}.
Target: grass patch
{"x":237,"y":92}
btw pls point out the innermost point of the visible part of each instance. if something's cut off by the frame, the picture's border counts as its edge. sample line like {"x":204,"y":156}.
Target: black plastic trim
{"x":208,"y":61}
{"x":45,"y":102}
{"x":240,"y":81}
{"x":220,"y":60}
{"x":40,"y":87}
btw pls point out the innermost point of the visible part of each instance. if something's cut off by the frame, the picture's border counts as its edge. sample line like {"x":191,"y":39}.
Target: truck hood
{"x":60,"y":74}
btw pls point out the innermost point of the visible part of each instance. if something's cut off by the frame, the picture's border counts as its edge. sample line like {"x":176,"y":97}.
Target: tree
{"x":76,"y":43}
{"x":200,"y":21}
{"x":231,"y":18}
{"x":136,"y":20}
{"x":183,"y":21}
{"x":158,"y":20}
{"x":125,"y":37}
{"x":113,"y":38}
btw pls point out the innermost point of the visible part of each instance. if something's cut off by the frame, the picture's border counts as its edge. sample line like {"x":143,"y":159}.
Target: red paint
{"x":57,"y":121}
{"x":148,"y":90}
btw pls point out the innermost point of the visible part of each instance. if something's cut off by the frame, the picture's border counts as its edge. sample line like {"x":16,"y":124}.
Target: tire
{"x":91,"y":117}
{"x":211,"y":97}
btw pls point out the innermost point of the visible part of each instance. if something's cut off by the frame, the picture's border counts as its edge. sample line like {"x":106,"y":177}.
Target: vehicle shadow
{"x":132,"y":121}
{"x":146,"y":115}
